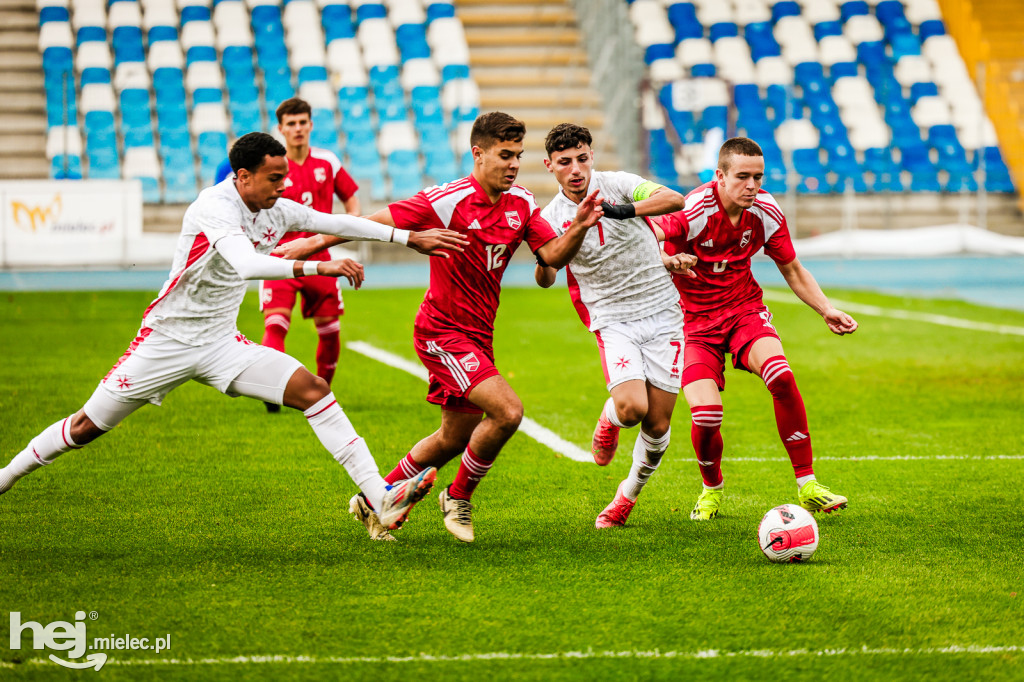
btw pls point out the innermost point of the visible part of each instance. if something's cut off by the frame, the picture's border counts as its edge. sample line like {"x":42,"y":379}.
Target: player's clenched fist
{"x":437,"y":242}
{"x":839,"y":322}
{"x":679,"y":264}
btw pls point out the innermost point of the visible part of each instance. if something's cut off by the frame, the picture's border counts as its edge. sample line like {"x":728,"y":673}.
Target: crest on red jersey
{"x":512,"y":218}
{"x":320,"y":174}
{"x":469,"y":362}
{"x":745,"y":239}
{"x":287,"y":183}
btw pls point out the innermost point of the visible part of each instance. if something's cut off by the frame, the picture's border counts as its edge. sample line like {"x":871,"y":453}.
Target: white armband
{"x":400,"y":236}
{"x":309,"y":267}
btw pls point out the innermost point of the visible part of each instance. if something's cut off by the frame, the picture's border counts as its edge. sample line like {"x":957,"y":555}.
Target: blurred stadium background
{"x":873,"y":114}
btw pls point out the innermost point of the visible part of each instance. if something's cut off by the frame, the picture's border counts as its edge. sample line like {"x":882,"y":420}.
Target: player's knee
{"x":656,"y":428}
{"x":84,"y":430}
{"x":305,"y":389}
{"x":783,"y":385}
{"x":509,"y":416}
{"x":631,"y":413}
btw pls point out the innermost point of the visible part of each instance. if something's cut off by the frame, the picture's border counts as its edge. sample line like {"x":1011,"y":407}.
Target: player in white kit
{"x":623,"y":292}
{"x":190,"y":330}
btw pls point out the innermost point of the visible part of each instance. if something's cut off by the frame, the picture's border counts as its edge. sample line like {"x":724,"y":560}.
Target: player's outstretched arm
{"x":241,"y":255}
{"x":661,"y":201}
{"x":297,"y":249}
{"x":559,"y":251}
{"x":803,"y":284}
{"x":380,"y":227}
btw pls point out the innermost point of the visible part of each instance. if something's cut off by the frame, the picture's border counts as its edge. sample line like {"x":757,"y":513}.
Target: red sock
{"x":790,"y":415}
{"x":275,"y":328}
{"x":407,"y":468}
{"x":327,"y":350}
{"x":706,"y":435}
{"x":471,"y":470}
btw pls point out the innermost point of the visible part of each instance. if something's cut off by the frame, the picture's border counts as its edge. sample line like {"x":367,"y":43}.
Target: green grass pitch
{"x":228,"y":528}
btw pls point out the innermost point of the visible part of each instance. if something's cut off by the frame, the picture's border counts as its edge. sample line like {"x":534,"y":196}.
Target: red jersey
{"x":724,"y":284}
{"x":314,"y":184}
{"x":465,"y":288}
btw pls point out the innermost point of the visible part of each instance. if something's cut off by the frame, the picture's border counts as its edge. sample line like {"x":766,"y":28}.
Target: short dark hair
{"x":248,"y":151}
{"x":496,"y":126}
{"x":566,"y":136}
{"x":743,"y":146}
{"x":293,"y":107}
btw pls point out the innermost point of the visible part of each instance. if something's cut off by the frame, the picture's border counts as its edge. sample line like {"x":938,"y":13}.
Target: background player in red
{"x":315,"y":176}
{"x":454,"y":328}
{"x":725,"y":222}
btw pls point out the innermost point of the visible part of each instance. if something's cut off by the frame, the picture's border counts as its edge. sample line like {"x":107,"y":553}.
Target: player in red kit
{"x":315,"y":176}
{"x":725,"y":222}
{"x":454,"y":328}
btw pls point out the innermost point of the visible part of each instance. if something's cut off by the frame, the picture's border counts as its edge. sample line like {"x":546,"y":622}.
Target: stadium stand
{"x":161,"y":86}
{"x":848,"y":95}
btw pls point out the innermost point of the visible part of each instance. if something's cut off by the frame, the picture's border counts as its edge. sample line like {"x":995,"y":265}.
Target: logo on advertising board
{"x":46,"y":216}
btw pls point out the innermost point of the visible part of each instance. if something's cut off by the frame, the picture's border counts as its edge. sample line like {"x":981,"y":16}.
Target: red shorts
{"x":456,"y":365}
{"x":704,"y":353}
{"x":321,"y":296}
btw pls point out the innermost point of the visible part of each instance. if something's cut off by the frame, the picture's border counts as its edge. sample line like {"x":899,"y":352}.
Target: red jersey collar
{"x":481,"y":194}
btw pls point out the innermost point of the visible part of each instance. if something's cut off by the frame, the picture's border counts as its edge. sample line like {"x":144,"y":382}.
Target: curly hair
{"x":248,"y":151}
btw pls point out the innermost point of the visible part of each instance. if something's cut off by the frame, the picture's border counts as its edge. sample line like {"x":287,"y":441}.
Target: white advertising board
{"x":83,"y":223}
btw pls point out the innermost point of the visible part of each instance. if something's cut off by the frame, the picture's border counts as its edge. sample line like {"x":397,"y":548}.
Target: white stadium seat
{"x":715,"y":13}
{"x":88,"y":13}
{"x":817,"y":11}
{"x":694,"y":51}
{"x":868,"y":133}
{"x":307,"y":54}
{"x":197,"y":34}
{"x":55,"y":34}
{"x":63,"y":140}
{"x":209,"y":117}
{"x":141,"y":162}
{"x":132,"y":75}
{"x":402,"y":12}
{"x":918,"y":11}
{"x":124,"y":14}
{"x":851,"y":92}
{"x":160,"y":14}
{"x":416,"y":72}
{"x":912,"y":69}
{"x":165,"y":53}
{"x":342,"y":54}
{"x":931,"y":111}
{"x":460,"y":93}
{"x":732,"y":55}
{"x":666,"y":70}
{"x":203,"y":75}
{"x":319,"y":94}
{"x":863,"y":28}
{"x":773,"y":71}
{"x":97,"y":97}
{"x":395,"y":136}
{"x":752,"y":11}
{"x":796,"y":133}
{"x":93,"y":54}
{"x":835,"y":49}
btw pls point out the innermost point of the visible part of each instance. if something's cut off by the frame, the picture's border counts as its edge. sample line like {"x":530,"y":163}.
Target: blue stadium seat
{"x":827,"y":28}
{"x":312,"y":73}
{"x":200,"y":53}
{"x":842,"y":161}
{"x":725,"y":29}
{"x":196,"y":13}
{"x":785,"y":8}
{"x":89,"y":34}
{"x":207,"y":96}
{"x":162,"y":33}
{"x":370,"y":11}
{"x":454,"y":71}
{"x":659,"y":51}
{"x":888,"y":11}
{"x":852,"y":8}
{"x":715,"y":117}
{"x":66,"y":167}
{"x":94,"y":74}
{"x":761,"y":40}
{"x":351,"y":95}
{"x":807,"y":163}
{"x":127,"y":41}
{"x":48,"y":14}
{"x":904,"y":44}
{"x":440,"y":10}
{"x":356,"y":121}
{"x":932,"y":27}
{"x":337,"y":22}
{"x":703,"y":71}
{"x":841,"y":70}
{"x":919,"y":90}
{"x":884,"y":169}
{"x":683,"y":18}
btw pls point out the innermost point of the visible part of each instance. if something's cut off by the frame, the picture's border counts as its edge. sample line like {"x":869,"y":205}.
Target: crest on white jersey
{"x":745,"y":239}
{"x":469,"y":362}
{"x":512,"y":218}
{"x":475,"y":225}
{"x":320,"y":174}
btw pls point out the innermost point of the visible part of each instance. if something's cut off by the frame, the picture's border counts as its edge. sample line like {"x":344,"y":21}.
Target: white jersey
{"x":199,"y":302}
{"x":617,"y":275}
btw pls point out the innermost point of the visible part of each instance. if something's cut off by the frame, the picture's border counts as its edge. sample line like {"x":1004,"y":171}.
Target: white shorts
{"x":155,"y":364}
{"x":649,"y":349}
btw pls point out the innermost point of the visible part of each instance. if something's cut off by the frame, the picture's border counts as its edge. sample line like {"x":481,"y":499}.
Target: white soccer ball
{"x":788,"y":534}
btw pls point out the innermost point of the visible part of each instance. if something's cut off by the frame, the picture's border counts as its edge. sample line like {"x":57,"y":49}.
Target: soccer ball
{"x":788,"y":534}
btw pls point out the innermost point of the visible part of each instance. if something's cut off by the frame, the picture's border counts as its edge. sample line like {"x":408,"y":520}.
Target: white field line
{"x":531,"y":428}
{"x":563,"y":447}
{"x":863,"y":309}
{"x":838,"y":652}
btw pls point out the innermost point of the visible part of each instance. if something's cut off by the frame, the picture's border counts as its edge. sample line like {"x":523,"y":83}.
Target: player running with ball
{"x":190,"y":330}
{"x":725,"y":222}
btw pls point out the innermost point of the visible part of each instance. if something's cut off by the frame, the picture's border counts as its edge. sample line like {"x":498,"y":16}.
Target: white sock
{"x":335,"y":431}
{"x":803,"y":479}
{"x":647,"y":454}
{"x":54,"y":441}
{"x":611,"y":415}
